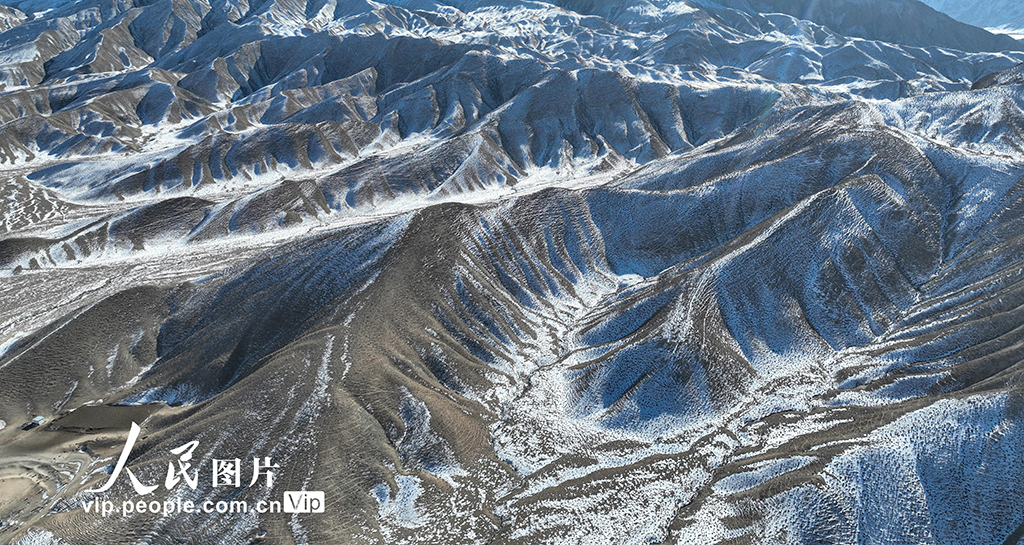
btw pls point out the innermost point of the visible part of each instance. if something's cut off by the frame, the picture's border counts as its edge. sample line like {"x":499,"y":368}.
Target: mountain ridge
{"x":511,"y":273}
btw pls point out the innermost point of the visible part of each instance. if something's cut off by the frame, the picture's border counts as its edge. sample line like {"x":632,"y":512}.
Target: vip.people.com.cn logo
{"x":225,"y":473}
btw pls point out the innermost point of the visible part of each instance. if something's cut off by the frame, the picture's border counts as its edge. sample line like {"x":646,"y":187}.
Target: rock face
{"x":594,"y":272}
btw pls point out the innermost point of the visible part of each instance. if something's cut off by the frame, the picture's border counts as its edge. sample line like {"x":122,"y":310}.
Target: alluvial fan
{"x":591,"y":272}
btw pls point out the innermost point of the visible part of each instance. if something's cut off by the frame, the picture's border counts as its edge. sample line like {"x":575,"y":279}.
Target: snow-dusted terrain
{"x":514,"y":272}
{"x":1002,"y":16}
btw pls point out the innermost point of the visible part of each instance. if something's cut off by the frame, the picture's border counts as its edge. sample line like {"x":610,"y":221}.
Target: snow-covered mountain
{"x":1006,"y":16}
{"x":513,"y":272}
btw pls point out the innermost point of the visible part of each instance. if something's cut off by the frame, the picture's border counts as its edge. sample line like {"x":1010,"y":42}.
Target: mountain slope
{"x":908,"y":22}
{"x":527,"y":273}
{"x":1001,"y":14}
